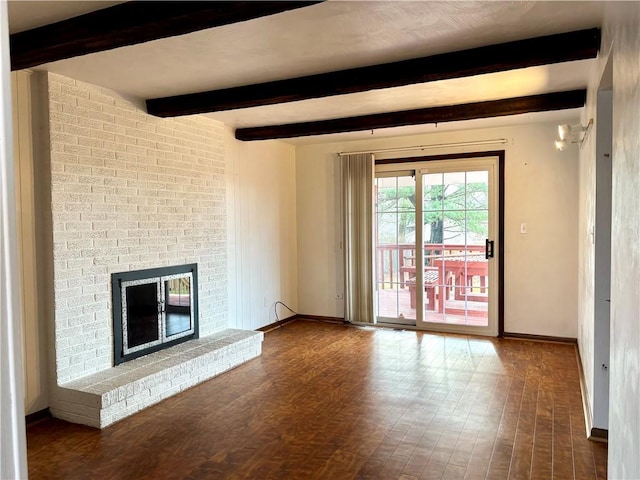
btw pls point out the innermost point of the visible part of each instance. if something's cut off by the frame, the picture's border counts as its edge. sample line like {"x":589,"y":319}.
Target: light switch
{"x":523,"y":228}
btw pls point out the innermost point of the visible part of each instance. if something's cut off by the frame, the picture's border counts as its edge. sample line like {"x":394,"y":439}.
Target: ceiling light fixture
{"x":572,"y":134}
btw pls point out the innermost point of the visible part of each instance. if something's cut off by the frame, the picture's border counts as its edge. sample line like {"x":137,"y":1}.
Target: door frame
{"x":500,"y":154}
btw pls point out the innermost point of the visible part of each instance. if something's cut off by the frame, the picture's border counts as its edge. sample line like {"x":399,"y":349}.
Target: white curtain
{"x":357,"y":194}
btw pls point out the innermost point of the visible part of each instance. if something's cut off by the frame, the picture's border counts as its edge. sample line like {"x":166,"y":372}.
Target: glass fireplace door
{"x":153,"y":309}
{"x":141,"y":314}
{"x":177,"y":297}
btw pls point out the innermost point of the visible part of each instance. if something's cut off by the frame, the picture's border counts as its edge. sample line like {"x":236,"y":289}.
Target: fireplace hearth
{"x":153,"y":309}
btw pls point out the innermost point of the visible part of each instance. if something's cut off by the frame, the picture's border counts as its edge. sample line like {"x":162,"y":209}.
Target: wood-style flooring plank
{"x":520,"y":466}
{"x":562,"y":457}
{"x":503,"y":447}
{"x":542,"y":461}
{"x":327,"y":401}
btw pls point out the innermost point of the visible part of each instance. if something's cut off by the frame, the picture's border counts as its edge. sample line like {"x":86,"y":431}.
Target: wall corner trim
{"x":593,"y":434}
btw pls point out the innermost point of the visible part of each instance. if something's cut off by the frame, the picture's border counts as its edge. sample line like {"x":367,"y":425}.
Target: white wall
{"x":586,"y":253}
{"x":261,"y":206}
{"x":602,"y":260}
{"x":622,"y":31}
{"x":319,"y":230}
{"x":541,"y":189}
{"x":620,"y":49}
{"x":594,"y":240}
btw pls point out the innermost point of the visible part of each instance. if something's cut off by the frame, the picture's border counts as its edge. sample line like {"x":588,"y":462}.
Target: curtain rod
{"x":428,"y":147}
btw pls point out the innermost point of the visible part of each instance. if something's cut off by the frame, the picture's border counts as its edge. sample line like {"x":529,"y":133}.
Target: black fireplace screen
{"x":141,"y":314}
{"x":153,"y":309}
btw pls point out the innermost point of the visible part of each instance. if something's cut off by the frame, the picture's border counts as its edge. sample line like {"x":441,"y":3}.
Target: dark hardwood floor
{"x":326,"y":401}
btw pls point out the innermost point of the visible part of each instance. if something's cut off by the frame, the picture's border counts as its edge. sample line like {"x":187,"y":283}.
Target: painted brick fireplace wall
{"x":129,"y":191}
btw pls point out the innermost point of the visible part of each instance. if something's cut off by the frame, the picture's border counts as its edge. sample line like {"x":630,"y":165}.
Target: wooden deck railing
{"x":391,"y":258}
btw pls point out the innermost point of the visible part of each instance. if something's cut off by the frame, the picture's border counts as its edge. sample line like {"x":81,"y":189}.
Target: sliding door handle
{"x":488,"y":252}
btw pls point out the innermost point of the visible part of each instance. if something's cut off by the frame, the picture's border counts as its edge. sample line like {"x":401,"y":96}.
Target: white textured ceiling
{"x":332,"y":36}
{"x":27,"y":14}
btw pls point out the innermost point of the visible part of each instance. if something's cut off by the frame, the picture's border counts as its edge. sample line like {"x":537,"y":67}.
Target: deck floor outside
{"x":393,"y":303}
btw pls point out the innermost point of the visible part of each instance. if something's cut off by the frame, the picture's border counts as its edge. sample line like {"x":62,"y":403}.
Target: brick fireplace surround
{"x":130,"y":191}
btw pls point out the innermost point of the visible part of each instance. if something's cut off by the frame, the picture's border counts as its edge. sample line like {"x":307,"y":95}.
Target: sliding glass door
{"x":439,"y":273}
{"x":395,"y":244}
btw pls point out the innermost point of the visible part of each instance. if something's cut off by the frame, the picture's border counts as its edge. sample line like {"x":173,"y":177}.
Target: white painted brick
{"x":109,"y":127}
{"x":103,"y":190}
{"x":92,"y":162}
{"x":74,"y":226}
{"x":75,"y":130}
{"x":91,"y":151}
{"x":129,"y":393}
{"x":102,"y":135}
{"x":93,"y":234}
{"x":90,"y":142}
{"x":66,"y":216}
{"x":127,"y":174}
{"x":127,"y":192}
{"x":103,"y":172}
{"x":115,"y":182}
{"x":91,"y":180}
{"x":63,"y":118}
{"x":101,"y":98}
{"x":79,"y":263}
{"x":63,"y":98}
{"x":91,"y":198}
{"x":76,"y":169}
{"x":64,"y":198}
{"x":77,"y":188}
{"x":115,"y":146}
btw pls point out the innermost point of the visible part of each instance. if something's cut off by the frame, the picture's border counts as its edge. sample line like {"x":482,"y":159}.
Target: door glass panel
{"x":454,"y":190}
{"x":432,"y":192}
{"x":456,"y":273}
{"x":475,"y":290}
{"x":395,"y":227}
{"x":477,"y":191}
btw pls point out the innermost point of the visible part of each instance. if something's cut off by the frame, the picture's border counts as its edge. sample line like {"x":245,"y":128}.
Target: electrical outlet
{"x":523,"y":228}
